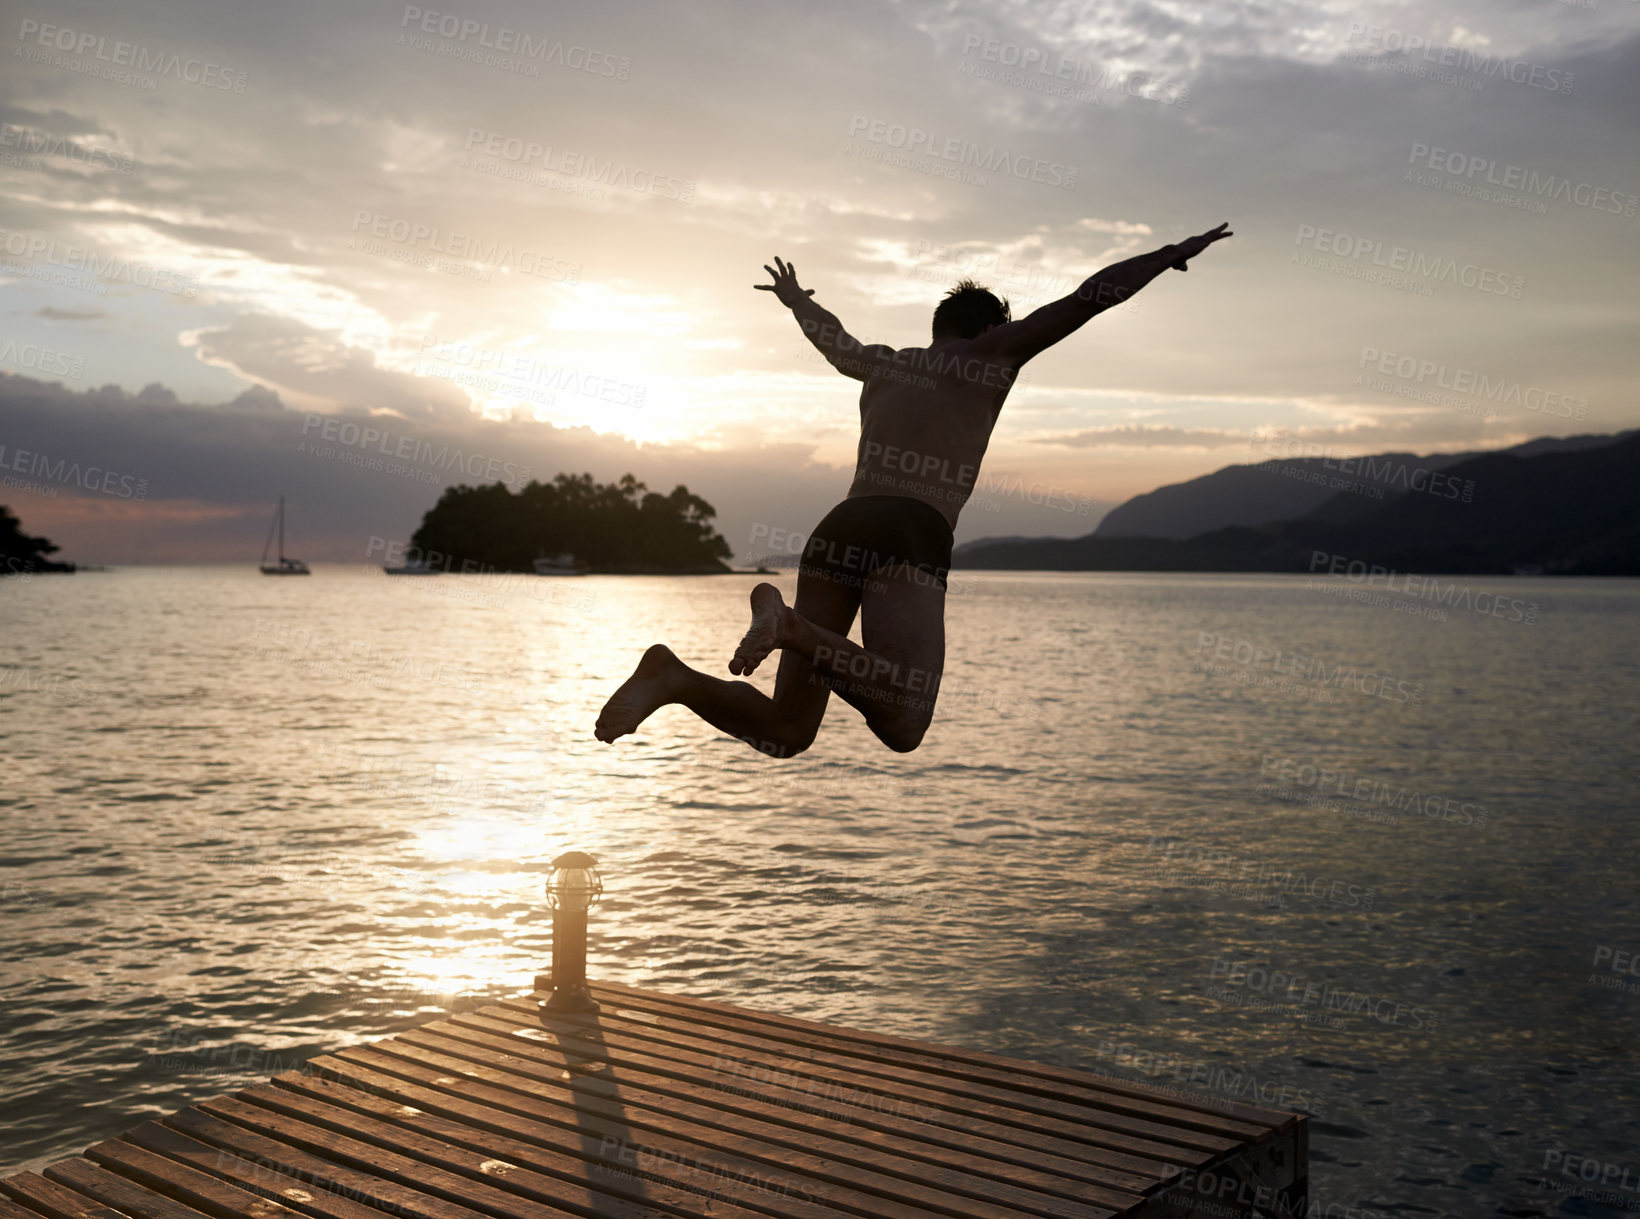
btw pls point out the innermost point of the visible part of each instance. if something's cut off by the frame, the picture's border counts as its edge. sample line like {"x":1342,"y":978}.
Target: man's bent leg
{"x":894,"y":679}
{"x":780,"y":726}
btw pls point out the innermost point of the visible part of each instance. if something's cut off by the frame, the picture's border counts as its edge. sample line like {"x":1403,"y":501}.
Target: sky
{"x":354,"y":253}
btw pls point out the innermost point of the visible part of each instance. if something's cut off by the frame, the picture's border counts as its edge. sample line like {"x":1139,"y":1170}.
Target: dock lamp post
{"x":574,"y":888}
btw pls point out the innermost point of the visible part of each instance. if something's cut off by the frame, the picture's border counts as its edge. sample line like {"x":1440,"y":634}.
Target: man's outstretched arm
{"x":1040,"y":330}
{"x":820,"y":326}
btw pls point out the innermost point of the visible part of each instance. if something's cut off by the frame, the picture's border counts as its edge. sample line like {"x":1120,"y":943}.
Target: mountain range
{"x":1554,"y":505}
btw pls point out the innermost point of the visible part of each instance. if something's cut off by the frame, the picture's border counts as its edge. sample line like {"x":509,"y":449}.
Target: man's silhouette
{"x":926,"y":415}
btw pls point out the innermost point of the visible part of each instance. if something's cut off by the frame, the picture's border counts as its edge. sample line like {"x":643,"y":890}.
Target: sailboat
{"x":284,"y":567}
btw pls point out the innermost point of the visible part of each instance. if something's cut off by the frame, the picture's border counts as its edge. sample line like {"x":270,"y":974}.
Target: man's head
{"x":968,"y":311}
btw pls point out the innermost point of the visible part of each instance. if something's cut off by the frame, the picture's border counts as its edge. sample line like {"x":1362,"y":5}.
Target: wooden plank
{"x":362,"y":1186}
{"x":500,"y":1095}
{"x":1066,"y":1122}
{"x":662,"y":1016}
{"x":493,"y":1058}
{"x":397,"y":1122}
{"x":194,"y":1189}
{"x":721,"y":1107}
{"x":53,"y":1200}
{"x":979,"y":1083}
{"x":84,"y":1177}
{"x":755,"y":1055}
{"x":431,"y":1166}
{"x":248,"y":1176}
{"x":10,"y":1210}
{"x":469,"y":1105}
{"x":952,"y":1192}
{"x":803,"y":1031}
{"x":662,"y":1128}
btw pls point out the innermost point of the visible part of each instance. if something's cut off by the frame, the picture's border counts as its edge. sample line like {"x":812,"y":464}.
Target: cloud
{"x":256,"y":195}
{"x":316,"y":370}
{"x":1140,"y":436}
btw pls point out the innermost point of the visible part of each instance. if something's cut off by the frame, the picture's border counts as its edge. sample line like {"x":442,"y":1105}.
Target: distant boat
{"x":558,"y":565}
{"x":415,"y":567}
{"x":284,"y":567}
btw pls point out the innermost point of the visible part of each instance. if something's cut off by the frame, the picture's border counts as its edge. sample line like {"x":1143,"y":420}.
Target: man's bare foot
{"x":765,"y":634}
{"x":651,"y":686}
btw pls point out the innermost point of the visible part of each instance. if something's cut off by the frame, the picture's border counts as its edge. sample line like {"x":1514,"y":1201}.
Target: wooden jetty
{"x":625,"y":1102}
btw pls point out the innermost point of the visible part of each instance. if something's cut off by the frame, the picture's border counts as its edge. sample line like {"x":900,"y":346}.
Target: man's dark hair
{"x":967,"y":310}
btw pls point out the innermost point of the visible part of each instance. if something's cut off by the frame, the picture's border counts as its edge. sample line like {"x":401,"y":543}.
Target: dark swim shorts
{"x":867,"y":533}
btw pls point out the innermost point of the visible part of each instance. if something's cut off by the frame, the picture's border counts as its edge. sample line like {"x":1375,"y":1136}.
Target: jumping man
{"x":926,"y":416}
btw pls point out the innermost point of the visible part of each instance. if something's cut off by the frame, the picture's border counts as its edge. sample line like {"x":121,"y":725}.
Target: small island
{"x":21,"y":554}
{"x":621,"y":528}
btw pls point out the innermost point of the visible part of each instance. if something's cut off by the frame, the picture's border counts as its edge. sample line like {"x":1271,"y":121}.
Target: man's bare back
{"x":926,"y":417}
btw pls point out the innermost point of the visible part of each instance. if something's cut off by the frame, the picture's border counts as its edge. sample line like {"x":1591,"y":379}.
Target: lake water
{"x":1238,"y":833}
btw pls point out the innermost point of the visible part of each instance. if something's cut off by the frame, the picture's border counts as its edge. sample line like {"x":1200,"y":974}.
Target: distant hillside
{"x":1284,"y":489}
{"x":1573,"y":510}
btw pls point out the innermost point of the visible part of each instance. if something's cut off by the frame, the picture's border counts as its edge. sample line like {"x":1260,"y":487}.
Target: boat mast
{"x":281,"y":531}
{"x":268,"y":545}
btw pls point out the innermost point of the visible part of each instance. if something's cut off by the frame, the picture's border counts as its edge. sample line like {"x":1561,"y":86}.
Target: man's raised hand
{"x":785,"y":284}
{"x":1192,"y":246}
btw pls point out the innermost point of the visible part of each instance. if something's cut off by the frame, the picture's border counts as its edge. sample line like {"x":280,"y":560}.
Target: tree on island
{"x":21,"y":553}
{"x":615,"y":527}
